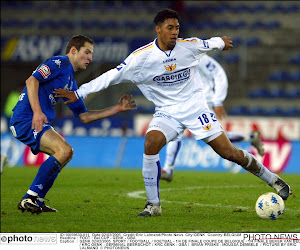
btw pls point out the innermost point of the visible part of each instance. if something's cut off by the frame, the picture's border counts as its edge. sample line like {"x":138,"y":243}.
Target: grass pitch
{"x":98,"y":200}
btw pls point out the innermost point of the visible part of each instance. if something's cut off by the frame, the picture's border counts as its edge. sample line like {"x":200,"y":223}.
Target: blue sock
{"x":45,"y":178}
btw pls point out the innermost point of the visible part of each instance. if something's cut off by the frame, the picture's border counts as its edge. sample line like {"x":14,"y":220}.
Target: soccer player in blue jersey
{"x":34,"y":111}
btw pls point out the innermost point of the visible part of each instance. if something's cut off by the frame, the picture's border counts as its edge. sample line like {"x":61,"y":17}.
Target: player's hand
{"x":228,"y":42}
{"x":67,"y":94}
{"x":220,"y":112}
{"x":126,"y":104}
{"x":38,"y":120}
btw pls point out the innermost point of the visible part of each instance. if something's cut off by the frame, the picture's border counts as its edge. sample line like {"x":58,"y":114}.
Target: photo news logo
{"x":271,"y":236}
{"x":42,"y":239}
{"x":274,"y":239}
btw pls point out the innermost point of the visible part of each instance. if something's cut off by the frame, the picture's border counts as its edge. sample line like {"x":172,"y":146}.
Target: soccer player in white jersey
{"x":215,"y":85}
{"x":165,"y":71}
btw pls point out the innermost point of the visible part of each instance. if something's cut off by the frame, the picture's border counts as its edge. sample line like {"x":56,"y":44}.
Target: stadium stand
{"x":264,"y":65}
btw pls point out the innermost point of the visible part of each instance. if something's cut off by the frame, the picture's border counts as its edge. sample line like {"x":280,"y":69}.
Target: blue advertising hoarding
{"x":39,"y":48}
{"x":127,"y":152}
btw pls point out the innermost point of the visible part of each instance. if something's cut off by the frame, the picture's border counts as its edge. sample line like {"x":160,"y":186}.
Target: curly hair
{"x":165,"y":14}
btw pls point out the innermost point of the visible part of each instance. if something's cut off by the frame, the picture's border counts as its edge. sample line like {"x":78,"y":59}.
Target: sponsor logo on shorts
{"x":35,"y":133}
{"x":207,"y":127}
{"x":45,"y":71}
{"x":154,"y":126}
{"x":159,"y":114}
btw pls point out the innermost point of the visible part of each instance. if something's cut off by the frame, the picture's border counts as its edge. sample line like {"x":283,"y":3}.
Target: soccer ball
{"x":269,"y":206}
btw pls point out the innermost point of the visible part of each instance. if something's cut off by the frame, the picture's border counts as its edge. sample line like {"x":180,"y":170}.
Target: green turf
{"x":92,"y":200}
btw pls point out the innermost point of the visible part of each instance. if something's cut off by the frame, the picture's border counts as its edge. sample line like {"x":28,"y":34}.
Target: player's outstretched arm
{"x":66,"y":94}
{"x":125,"y":103}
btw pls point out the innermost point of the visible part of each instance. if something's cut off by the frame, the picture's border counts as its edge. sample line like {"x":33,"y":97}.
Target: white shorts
{"x":193,"y":114}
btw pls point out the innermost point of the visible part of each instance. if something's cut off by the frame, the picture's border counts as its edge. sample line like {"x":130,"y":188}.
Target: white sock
{"x":151,"y":175}
{"x":32,"y":193}
{"x":171,"y":154}
{"x":264,"y":173}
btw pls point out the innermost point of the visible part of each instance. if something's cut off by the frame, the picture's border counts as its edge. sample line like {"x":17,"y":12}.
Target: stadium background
{"x":262,"y":69}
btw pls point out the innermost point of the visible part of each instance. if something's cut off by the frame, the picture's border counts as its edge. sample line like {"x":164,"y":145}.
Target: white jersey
{"x":164,"y":77}
{"x":214,"y":80}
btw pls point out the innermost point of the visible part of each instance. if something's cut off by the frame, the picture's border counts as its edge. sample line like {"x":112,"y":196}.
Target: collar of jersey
{"x":168,"y":55}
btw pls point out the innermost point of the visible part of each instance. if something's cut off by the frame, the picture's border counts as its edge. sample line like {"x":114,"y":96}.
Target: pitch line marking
{"x":141,"y":195}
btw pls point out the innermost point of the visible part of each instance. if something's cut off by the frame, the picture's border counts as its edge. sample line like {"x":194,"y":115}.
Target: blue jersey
{"x":56,"y":72}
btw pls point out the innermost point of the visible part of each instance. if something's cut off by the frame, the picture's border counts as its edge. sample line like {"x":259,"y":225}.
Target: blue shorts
{"x":23,"y":132}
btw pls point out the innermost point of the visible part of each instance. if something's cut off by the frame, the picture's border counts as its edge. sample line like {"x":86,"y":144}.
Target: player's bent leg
{"x":54,"y":144}
{"x":226,"y":150}
{"x":63,"y":152}
{"x":60,"y":153}
{"x":223,"y":147}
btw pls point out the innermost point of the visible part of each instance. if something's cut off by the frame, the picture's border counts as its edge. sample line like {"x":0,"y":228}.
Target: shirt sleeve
{"x":213,"y":43}
{"x":47,"y":71}
{"x":209,"y":45}
{"x":123,"y":73}
{"x":79,"y":106}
